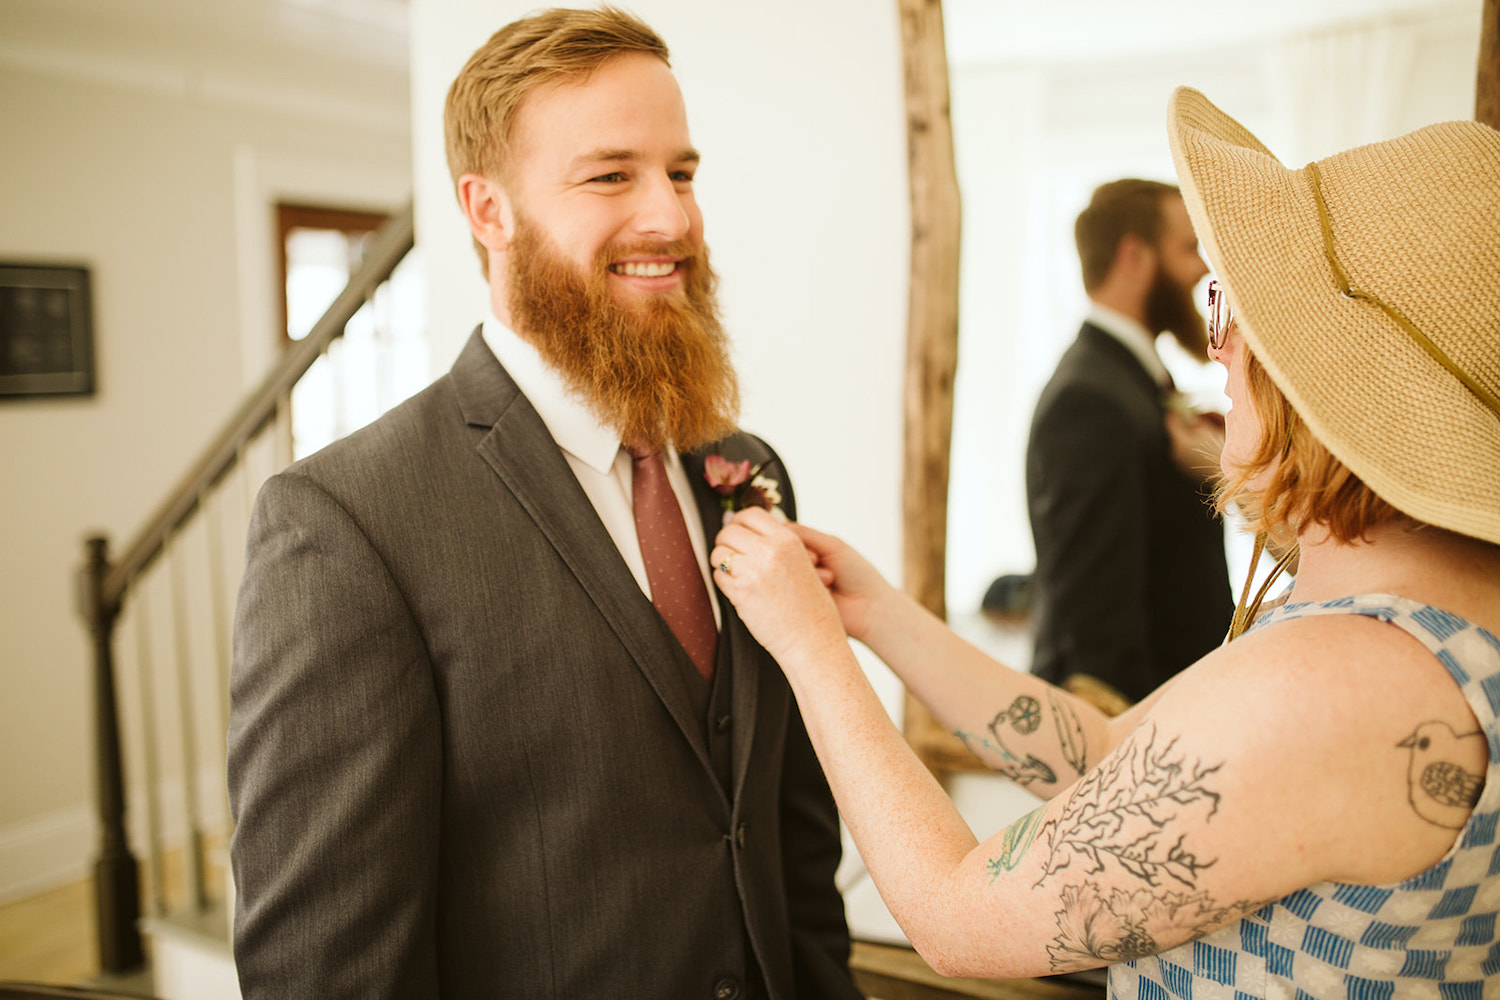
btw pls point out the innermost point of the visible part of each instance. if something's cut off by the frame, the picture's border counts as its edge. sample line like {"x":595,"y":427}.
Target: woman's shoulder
{"x":1369,"y":651}
{"x":1325,"y":717}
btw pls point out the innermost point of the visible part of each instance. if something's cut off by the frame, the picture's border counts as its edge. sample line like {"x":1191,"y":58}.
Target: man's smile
{"x":644,"y":268}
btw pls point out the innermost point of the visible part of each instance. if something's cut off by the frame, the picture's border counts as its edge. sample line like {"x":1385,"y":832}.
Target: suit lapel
{"x":523,"y":455}
{"x":744,"y":653}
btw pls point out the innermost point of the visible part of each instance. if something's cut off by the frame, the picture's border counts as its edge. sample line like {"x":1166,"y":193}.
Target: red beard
{"x":656,"y":372}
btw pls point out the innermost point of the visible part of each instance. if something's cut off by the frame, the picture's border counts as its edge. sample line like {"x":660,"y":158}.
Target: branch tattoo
{"x":1126,"y":819}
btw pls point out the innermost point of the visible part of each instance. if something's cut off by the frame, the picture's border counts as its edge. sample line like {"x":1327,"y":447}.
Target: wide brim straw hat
{"x":1338,"y":272}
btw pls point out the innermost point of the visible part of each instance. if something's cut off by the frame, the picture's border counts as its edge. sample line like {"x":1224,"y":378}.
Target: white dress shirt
{"x":604,"y":469}
{"x":1136,"y":338}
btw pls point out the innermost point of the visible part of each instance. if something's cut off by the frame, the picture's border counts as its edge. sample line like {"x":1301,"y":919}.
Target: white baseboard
{"x":46,"y":852}
{"x":60,"y":847}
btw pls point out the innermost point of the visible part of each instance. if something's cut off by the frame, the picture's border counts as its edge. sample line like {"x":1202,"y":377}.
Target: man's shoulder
{"x":1096,"y":359}
{"x":1096,"y":374}
{"x":417,"y":424}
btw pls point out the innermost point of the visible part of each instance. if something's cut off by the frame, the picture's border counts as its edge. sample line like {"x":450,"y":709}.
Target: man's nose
{"x":662,"y":211}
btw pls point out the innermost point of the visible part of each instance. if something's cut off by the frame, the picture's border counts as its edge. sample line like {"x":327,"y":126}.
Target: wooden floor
{"x":49,"y":938}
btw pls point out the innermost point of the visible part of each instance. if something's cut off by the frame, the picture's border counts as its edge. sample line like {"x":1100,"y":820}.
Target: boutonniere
{"x":740,"y":485}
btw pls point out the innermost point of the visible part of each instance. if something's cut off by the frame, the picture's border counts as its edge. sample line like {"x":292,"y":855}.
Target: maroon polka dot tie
{"x":671,"y":567}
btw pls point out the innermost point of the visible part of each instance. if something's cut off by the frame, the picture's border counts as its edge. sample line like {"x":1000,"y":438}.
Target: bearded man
{"x":1131,"y":584}
{"x":493,"y":732}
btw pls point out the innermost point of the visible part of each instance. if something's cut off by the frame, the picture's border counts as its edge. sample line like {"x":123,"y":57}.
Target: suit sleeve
{"x":811,"y":849}
{"x":334,"y":763}
{"x":1087,"y":494}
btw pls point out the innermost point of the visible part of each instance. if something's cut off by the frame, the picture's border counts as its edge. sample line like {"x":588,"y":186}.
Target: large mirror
{"x":1050,"y":100}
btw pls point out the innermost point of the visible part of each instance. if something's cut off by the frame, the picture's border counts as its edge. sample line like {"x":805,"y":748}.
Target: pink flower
{"x":724,"y":475}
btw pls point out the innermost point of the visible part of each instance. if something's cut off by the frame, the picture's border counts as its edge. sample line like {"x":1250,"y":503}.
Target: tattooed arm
{"x":1304,"y":752}
{"x":1019,"y":725}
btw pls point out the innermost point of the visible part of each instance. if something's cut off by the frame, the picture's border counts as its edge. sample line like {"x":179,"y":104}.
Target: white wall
{"x":162,"y":186}
{"x":797,"y":109}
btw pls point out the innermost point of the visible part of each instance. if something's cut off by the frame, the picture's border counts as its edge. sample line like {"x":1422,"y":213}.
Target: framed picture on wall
{"x":46,"y":331}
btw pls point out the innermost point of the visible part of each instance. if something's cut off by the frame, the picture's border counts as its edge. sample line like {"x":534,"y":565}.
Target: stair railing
{"x":106,"y":584}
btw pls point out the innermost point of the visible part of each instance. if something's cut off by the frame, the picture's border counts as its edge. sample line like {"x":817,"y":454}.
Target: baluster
{"x":117,"y":895}
{"x":334,"y":357}
{"x":144,"y":676}
{"x":380,"y":323}
{"x":193,"y":851}
{"x":247,"y":480}
{"x":282,"y":444}
{"x":213,"y":529}
{"x":214,"y":534}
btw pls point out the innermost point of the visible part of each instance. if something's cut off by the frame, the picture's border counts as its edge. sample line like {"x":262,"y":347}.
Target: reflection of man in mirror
{"x":1131,"y":584}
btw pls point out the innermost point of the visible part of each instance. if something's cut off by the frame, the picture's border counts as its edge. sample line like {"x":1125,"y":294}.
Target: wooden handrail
{"x":391,"y":243}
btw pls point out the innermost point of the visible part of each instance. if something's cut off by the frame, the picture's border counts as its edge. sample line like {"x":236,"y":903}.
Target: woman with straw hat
{"x":1312,"y":809}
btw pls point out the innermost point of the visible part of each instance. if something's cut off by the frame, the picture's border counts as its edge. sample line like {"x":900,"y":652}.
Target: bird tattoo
{"x":1441,"y":791}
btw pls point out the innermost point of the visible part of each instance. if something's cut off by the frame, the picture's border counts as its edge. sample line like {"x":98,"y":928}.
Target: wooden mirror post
{"x":932,"y":340}
{"x":1487,"y":80}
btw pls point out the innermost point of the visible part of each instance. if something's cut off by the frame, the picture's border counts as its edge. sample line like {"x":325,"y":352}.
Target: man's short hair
{"x":1129,"y":207}
{"x":541,"y":50}
{"x":1304,"y":483}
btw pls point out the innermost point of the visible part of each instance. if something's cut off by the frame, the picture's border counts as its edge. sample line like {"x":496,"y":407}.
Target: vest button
{"x":727,"y":989}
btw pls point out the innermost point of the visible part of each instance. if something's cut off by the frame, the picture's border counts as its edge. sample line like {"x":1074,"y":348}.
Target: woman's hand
{"x":763,"y":567}
{"x":856,"y":585}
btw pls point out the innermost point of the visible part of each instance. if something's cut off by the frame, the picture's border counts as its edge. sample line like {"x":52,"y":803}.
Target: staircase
{"x":159,"y":620}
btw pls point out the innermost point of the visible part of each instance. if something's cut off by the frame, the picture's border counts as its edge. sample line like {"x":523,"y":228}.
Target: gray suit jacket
{"x":466,"y":756}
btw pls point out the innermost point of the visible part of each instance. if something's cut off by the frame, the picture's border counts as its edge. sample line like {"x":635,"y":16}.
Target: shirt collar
{"x":569,"y":420}
{"x":1136,"y":338}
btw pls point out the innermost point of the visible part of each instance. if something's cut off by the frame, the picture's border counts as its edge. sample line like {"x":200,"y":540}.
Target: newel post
{"x":117,"y":897}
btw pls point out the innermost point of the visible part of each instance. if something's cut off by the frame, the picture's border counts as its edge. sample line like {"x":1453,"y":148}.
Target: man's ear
{"x":487,"y":206}
{"x":1134,"y":257}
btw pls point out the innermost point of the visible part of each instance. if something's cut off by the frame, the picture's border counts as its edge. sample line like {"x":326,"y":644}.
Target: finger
{"x":721,"y":561}
{"x":736,"y":536}
{"x":756,"y":520}
{"x":815,"y":540}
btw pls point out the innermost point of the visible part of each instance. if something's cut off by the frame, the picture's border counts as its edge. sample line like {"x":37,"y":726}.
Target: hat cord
{"x":1489,"y":399}
{"x":1245,"y":611}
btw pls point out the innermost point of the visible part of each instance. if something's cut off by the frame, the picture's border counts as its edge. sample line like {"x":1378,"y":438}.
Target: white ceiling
{"x":369,"y":35}
{"x":340,"y":59}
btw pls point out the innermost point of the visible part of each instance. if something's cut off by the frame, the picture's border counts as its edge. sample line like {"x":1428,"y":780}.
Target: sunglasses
{"x":1219,"y":316}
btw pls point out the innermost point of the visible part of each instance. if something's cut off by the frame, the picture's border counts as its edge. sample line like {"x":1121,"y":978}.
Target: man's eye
{"x":613,"y":178}
{"x":684,"y":176}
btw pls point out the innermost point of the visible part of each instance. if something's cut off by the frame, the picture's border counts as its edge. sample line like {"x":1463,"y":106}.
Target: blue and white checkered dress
{"x":1431,"y":936}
